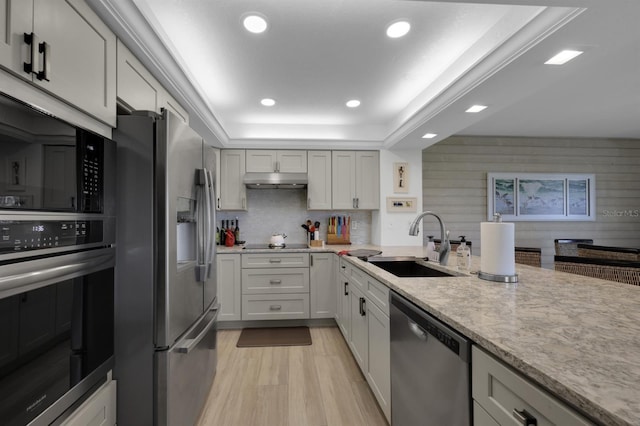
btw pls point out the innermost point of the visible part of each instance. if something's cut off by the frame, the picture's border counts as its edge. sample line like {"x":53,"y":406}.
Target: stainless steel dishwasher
{"x":430,"y":369}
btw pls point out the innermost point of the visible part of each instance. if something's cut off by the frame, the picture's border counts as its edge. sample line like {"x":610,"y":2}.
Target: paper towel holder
{"x":497,"y":217}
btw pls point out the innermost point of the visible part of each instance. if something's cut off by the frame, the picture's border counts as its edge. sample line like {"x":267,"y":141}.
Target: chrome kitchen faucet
{"x":445,"y":246}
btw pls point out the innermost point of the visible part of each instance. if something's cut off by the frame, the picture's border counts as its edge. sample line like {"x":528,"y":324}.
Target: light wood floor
{"x":314,"y":385}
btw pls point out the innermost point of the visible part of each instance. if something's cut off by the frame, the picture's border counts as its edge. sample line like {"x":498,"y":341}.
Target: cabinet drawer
{"x":280,"y":260}
{"x":501,"y":391}
{"x":378,"y":293}
{"x":275,"y":280}
{"x":275,"y":306}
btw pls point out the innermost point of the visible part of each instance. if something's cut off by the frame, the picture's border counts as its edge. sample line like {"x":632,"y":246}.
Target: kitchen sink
{"x":407,"y":267}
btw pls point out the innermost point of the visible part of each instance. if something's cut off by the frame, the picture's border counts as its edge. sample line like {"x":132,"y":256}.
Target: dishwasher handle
{"x":417,"y":330}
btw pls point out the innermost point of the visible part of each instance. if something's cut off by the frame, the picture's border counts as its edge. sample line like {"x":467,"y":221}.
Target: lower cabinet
{"x":503,"y":397}
{"x":363,"y":319}
{"x":275,"y":306}
{"x":322,"y":297}
{"x":229,"y":287}
{"x":98,"y":410}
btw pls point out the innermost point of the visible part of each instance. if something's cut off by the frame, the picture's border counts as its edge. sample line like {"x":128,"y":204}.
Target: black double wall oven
{"x":57,"y":259}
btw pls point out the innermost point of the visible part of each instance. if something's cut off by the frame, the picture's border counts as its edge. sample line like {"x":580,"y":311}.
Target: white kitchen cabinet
{"x":509,"y":399}
{"x":359,"y":338}
{"x":229,"y":287}
{"x":378,"y":372}
{"x":218,"y":177}
{"x":233,"y":193}
{"x":138,"y":89}
{"x":368,"y":334}
{"x":283,"y":161}
{"x":322,"y":295}
{"x":71,"y":52}
{"x":275,"y":286}
{"x":98,"y":410}
{"x":343,"y":302}
{"x":319,"y":186}
{"x":355,"y":180}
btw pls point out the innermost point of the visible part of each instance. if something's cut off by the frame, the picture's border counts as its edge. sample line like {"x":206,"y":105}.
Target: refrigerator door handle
{"x":203,"y":231}
{"x":187,"y":345}
{"x":211,"y":220}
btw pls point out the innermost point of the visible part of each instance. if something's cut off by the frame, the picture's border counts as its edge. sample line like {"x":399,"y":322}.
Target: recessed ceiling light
{"x":255,"y":24}
{"x":429,"y":135}
{"x":563,"y":57}
{"x":353,"y":103}
{"x":476,"y":108}
{"x":268,"y":102}
{"x":398,"y":29}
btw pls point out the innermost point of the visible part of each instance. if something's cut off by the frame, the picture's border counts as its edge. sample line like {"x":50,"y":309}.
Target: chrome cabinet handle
{"x":524,"y":417}
{"x":357,"y":203}
{"x":275,"y":307}
{"x":346,"y":289}
{"x":44,"y":74}
{"x":218,"y":203}
{"x":275,"y":282}
{"x":417,"y":330}
{"x":275,"y":260}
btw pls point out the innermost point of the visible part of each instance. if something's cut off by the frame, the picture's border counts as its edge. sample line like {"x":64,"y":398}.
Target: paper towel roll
{"x":497,"y":248}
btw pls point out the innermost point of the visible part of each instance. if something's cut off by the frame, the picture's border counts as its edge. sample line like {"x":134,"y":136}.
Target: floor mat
{"x":274,"y":336}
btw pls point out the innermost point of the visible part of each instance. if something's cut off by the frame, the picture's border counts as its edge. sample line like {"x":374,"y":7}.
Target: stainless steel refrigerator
{"x":165,"y":296}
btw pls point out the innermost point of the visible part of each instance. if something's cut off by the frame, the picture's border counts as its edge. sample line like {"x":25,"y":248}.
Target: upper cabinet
{"x":262,"y":160}
{"x":355,"y":180}
{"x":319,"y":186}
{"x":138,"y":90}
{"x":64,"y":48}
{"x":233,"y":193}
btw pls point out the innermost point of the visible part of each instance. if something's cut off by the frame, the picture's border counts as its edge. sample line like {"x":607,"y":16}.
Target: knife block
{"x":338,"y":239}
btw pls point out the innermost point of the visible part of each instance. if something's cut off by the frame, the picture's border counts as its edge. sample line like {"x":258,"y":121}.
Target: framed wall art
{"x":541,"y":196}
{"x":400,"y":178}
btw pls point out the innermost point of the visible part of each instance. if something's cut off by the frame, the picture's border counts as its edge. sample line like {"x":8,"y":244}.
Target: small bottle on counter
{"x":431,"y":249}
{"x":236,"y":231}
{"x":463,"y":255}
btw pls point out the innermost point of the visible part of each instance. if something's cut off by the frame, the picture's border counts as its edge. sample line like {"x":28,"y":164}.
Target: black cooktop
{"x":268,"y":246}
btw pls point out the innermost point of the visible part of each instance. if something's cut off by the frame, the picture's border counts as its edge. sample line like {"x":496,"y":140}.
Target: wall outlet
{"x":354,"y":225}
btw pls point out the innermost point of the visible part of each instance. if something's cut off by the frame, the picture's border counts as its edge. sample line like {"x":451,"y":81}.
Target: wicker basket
{"x":569,"y":247}
{"x":607,"y":252}
{"x":529,"y":256}
{"x":629,"y":274}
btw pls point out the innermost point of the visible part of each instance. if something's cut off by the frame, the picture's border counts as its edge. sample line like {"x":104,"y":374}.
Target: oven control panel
{"x":23,"y":235}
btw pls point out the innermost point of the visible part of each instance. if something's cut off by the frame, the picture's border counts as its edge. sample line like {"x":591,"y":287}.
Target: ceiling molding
{"x":126,"y":21}
{"x":542,"y":26}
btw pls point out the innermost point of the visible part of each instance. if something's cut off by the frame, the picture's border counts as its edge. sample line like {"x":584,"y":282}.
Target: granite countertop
{"x":578,"y":337}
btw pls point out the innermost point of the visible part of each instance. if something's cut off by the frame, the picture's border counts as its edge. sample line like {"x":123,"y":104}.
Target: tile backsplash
{"x":283,"y":211}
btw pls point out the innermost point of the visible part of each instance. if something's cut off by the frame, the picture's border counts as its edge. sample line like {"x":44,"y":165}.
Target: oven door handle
{"x":186,"y":345}
{"x":36,"y":278}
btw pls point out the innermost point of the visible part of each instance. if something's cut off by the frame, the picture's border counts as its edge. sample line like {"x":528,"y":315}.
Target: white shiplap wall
{"x":454,"y":176}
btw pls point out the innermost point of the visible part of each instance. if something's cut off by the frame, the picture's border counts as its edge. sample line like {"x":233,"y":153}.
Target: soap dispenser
{"x":431,"y":249}
{"x":463,"y":255}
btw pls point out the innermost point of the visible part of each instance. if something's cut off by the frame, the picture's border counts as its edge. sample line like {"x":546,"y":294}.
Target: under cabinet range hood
{"x":257,"y":180}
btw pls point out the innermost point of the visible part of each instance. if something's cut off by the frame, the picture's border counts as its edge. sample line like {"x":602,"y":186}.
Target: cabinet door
{"x":359,"y":340}
{"x":343,"y":180}
{"x":232,"y":190}
{"x":137,"y":89}
{"x":322,"y":289}
{"x":98,"y":410}
{"x":15,"y":20}
{"x":81,"y":60}
{"x":261,"y":160}
{"x":291,"y":161}
{"x":344,"y":306}
{"x":379,"y":363}
{"x":319,"y":187}
{"x":229,"y":287}
{"x":367,"y":180}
